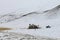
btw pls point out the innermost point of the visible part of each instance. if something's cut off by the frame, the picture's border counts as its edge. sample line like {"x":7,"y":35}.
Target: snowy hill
{"x":50,"y":17}
{"x":49,"y":14}
{"x":13,"y":16}
{"x":53,"y":13}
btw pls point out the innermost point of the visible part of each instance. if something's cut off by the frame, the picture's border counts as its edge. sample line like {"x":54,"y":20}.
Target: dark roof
{"x":33,"y":27}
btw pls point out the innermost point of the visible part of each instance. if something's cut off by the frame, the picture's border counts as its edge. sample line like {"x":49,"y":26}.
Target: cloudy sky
{"x":27,"y":5}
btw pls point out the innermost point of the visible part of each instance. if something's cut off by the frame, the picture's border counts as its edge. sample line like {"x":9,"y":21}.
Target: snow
{"x":51,"y":17}
{"x":19,"y":36}
{"x":16,"y":36}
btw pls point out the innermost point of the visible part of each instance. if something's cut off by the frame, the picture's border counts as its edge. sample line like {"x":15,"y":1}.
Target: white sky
{"x":26,"y":5}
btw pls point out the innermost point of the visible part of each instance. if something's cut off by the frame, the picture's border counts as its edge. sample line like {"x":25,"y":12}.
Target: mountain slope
{"x":11,"y":17}
{"x":50,"y":17}
{"x":49,"y":14}
{"x":53,"y":13}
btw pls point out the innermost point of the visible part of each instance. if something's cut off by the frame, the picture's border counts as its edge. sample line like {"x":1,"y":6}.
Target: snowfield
{"x":20,"y":22}
{"x":17,"y":36}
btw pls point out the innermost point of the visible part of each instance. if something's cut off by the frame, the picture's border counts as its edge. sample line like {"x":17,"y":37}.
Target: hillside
{"x":50,"y":17}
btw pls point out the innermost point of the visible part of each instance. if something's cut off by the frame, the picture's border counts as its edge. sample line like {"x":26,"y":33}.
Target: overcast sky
{"x":27,"y":5}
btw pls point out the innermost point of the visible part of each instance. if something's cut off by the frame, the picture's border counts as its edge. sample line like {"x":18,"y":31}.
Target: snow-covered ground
{"x":18,"y":22}
{"x":16,"y":36}
{"x":19,"y":36}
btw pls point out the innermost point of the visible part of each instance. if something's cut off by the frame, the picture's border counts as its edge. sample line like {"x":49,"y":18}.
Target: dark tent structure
{"x":32,"y":26}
